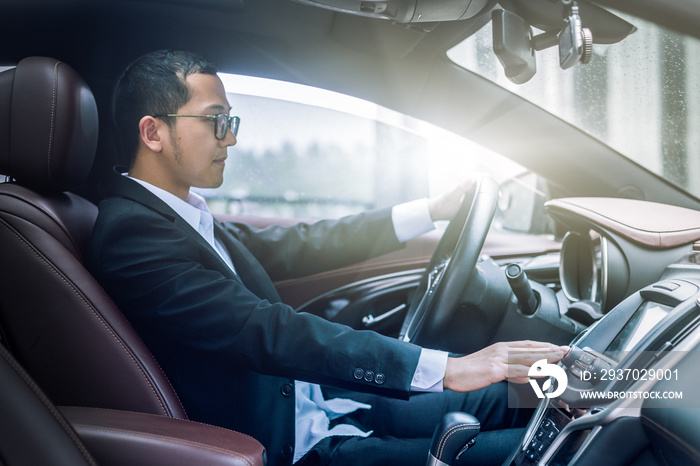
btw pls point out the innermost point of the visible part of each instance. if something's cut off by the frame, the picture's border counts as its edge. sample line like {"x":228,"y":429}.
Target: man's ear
{"x":149,"y":133}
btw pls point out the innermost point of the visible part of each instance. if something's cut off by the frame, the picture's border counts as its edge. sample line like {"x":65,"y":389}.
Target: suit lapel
{"x":130,"y":189}
{"x":247,"y":266}
{"x":248,"y":269}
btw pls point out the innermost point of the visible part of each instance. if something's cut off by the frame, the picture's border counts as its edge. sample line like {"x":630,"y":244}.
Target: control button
{"x":287,"y":389}
{"x":379,"y":378}
{"x":668,"y":286}
{"x":540,"y":434}
{"x":359,"y":374}
{"x":531,"y":455}
{"x":576,"y":371}
{"x":541,"y":448}
{"x":587,"y":358}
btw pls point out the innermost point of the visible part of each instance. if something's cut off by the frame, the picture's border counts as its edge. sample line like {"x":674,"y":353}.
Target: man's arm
{"x":156,"y":276}
{"x":305,"y":249}
{"x":501,"y":361}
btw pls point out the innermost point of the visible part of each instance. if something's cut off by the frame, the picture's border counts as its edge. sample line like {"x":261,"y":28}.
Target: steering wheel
{"x":452,"y":263}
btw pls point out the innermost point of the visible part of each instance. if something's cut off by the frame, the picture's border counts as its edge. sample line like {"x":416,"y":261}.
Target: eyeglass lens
{"x":223,"y":122}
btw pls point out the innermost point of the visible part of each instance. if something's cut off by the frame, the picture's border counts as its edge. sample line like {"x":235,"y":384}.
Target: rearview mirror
{"x":512,"y":43}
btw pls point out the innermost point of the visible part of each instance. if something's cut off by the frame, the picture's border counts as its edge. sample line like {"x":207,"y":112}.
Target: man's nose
{"x":229,"y":139}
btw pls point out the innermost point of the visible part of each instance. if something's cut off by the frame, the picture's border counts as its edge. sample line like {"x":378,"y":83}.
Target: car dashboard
{"x":640,"y":357}
{"x":614,"y":247}
{"x":629,"y":381}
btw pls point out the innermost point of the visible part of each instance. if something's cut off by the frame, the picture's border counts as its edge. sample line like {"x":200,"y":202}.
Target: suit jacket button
{"x":379,"y":379}
{"x":369,"y":376}
{"x":287,"y":389}
{"x":287,"y":451}
{"x":359,"y":374}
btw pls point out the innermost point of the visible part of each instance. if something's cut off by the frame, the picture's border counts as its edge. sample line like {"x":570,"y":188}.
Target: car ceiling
{"x":400,"y":67}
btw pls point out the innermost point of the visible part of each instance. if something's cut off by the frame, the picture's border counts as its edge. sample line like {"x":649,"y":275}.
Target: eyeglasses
{"x":222,"y":122}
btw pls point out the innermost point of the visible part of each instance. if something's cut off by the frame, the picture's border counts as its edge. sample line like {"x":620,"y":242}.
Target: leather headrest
{"x":48,"y":125}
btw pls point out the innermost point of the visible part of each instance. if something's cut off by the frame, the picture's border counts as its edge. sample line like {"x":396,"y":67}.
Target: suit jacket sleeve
{"x":187,"y":308}
{"x":306,"y":249}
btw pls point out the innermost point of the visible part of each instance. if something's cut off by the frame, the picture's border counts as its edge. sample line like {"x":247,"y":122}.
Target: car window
{"x":309,"y":153}
{"x":640,"y":96}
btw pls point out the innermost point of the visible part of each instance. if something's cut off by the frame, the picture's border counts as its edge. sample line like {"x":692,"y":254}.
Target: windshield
{"x":640,"y":96}
{"x":309,"y":153}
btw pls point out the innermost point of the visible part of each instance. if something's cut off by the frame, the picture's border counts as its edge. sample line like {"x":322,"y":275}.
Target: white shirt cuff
{"x":411,"y":219}
{"x":430,"y":371}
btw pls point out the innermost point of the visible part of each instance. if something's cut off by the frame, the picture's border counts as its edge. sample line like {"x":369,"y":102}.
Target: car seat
{"x":55,"y":318}
{"x":30,"y":419}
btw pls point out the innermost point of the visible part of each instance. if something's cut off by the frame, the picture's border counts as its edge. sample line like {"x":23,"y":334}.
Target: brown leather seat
{"x":57,"y":321}
{"x":34,"y":431}
{"x":29,"y":420}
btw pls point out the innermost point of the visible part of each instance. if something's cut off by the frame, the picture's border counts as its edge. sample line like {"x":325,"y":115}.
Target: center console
{"x":609,"y":367}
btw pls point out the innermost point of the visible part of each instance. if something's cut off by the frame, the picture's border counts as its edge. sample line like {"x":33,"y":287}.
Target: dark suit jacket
{"x":228,"y":345}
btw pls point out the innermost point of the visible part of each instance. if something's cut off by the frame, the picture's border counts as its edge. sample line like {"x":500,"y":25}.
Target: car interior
{"x":617,"y":278}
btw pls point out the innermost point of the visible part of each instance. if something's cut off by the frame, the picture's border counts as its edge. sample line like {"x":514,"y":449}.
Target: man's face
{"x":194,"y":157}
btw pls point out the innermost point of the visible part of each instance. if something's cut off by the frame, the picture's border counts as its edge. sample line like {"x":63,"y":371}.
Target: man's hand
{"x":446,"y":205}
{"x":500,"y":361}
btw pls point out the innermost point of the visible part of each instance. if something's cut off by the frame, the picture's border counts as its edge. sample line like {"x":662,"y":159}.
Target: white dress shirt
{"x":313,"y":412}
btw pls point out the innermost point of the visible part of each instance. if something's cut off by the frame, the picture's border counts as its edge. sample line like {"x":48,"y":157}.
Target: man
{"x":200,"y":295}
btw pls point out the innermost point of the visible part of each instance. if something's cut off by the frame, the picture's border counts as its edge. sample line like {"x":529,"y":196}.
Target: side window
{"x":309,"y":153}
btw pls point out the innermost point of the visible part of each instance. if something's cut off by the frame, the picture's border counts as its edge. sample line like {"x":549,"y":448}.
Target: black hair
{"x":154,"y":84}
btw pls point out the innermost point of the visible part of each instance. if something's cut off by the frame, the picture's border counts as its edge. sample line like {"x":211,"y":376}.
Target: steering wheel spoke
{"x":452,"y":263}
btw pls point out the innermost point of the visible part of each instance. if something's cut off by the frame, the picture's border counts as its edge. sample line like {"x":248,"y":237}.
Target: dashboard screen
{"x":643,"y":320}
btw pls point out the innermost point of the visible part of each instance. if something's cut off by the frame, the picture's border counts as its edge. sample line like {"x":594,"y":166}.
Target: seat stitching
{"x":167,"y":380}
{"x":170,"y":439}
{"x":451,"y":432}
{"x":51,"y":408}
{"x":92,"y":310}
{"x":44,"y":210}
{"x":63,"y":227}
{"x":53,"y":115}
{"x":171,"y":419}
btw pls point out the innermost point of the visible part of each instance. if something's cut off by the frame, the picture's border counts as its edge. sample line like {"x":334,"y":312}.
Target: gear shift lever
{"x":455,"y":434}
